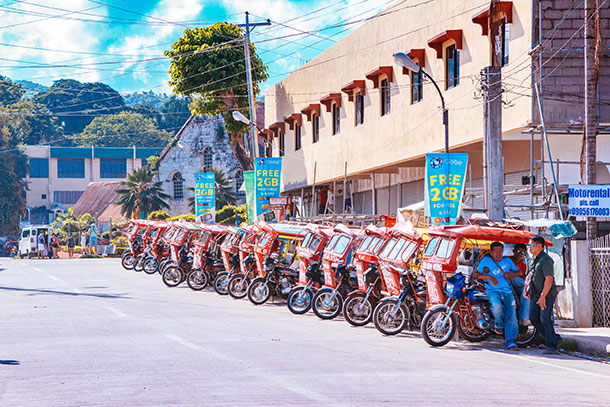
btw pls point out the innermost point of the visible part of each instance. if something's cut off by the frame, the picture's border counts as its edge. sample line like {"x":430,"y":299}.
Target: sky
{"x":121,"y":42}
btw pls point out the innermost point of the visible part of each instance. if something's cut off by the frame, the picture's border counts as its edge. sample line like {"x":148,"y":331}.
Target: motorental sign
{"x":445,"y":173}
{"x":589,"y":200}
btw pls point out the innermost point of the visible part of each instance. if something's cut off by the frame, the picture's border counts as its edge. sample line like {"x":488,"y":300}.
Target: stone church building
{"x":201,"y":144}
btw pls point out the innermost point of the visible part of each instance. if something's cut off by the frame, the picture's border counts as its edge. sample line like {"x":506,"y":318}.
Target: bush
{"x":118,"y":251}
{"x":225,"y":213}
{"x":120,"y":241}
{"x":106,"y":235}
{"x":189,"y":218}
{"x":228,"y":214}
{"x":159,"y":215}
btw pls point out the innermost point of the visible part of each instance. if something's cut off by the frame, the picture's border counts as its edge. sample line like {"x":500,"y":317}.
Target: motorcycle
{"x":278,"y":279}
{"x":300,"y":298}
{"x":175,"y":274}
{"x":237,"y":286}
{"x":328,"y":302}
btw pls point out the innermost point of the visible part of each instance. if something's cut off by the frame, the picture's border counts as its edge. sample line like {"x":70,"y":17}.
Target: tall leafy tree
{"x":13,"y":169}
{"x":174,"y":113}
{"x":222,"y":188}
{"x":122,"y":129}
{"x":208,"y":64}
{"x":41,"y":126}
{"x":76,"y":103}
{"x":10,"y":92}
{"x":140,"y":195}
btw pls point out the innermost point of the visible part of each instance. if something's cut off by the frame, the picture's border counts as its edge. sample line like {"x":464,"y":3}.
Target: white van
{"x":28,"y":243}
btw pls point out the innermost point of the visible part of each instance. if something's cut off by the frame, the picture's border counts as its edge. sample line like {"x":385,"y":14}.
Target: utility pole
{"x":590,"y":104}
{"x":492,"y":90}
{"x":248,"y":27}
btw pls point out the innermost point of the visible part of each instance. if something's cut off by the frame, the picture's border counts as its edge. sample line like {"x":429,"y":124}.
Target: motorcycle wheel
{"x":163,"y":265}
{"x":299,"y":300}
{"x":220,"y":283}
{"x":324,"y":307}
{"x":258,"y":291}
{"x":433,"y":333}
{"x":128,"y":261}
{"x":197,"y":280}
{"x":151,"y":265}
{"x":139,"y":264}
{"x":472,"y":334}
{"x":526,"y":336}
{"x":385,"y":322}
{"x":172,"y":276}
{"x":238,"y":286}
{"x":357,"y":311}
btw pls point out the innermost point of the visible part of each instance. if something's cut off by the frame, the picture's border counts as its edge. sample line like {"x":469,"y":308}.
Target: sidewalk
{"x":592,"y":341}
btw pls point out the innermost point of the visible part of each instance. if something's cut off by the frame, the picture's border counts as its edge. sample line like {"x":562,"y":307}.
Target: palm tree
{"x":141,"y":195}
{"x":223,"y":190}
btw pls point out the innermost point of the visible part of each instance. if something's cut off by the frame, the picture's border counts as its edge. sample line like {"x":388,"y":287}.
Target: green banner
{"x":250,"y":185}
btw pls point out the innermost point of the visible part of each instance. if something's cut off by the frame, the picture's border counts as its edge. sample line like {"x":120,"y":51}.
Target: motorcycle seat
{"x":481,"y":296}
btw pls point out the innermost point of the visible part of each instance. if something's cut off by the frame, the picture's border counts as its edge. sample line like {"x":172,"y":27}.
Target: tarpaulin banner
{"x":445,"y":173}
{"x":268,"y":172}
{"x":250,"y":186}
{"x":205,"y":196}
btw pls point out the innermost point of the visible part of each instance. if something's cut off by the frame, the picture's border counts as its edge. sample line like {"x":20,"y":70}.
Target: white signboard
{"x":589,"y":200}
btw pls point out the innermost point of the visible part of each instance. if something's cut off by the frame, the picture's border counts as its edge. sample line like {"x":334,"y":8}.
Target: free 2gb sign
{"x":589,"y":200}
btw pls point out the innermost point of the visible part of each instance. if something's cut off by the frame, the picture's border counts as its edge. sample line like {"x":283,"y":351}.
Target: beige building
{"x":351,"y":112}
{"x":58,"y":176}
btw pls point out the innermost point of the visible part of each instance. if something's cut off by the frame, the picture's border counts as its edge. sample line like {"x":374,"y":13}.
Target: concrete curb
{"x":590,"y":346}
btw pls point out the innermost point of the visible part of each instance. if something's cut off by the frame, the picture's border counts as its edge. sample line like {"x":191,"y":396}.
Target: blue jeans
{"x":505,"y":317}
{"x":524,"y":305}
{"x":542,"y":319}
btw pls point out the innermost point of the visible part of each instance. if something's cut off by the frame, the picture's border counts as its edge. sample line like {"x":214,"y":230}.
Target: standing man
{"x":492,"y":269}
{"x":543,"y":293}
{"x":41,"y":244}
{"x":93,"y":238}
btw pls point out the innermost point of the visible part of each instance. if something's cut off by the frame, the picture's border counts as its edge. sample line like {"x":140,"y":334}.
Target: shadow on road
{"x":41,"y":291}
{"x":9,"y":362}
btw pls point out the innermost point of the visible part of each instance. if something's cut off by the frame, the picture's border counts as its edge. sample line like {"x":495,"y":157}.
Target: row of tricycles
{"x":399,"y":278}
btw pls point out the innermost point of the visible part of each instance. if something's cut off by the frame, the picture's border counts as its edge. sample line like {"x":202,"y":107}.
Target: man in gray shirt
{"x":543,"y":293}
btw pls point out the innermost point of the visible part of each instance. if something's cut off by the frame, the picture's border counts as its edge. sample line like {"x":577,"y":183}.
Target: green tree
{"x":13,"y":169}
{"x":10,"y":92}
{"x":122,"y":129}
{"x":222,"y":188}
{"x":208,"y":65}
{"x":76,"y":103}
{"x":67,"y":222}
{"x":174,"y":113}
{"x":40,"y":125}
{"x":141,"y":195}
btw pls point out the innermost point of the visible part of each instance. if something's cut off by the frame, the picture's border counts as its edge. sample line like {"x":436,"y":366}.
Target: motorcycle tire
{"x":150,"y":265}
{"x":238,"y":286}
{"x":259,"y":291}
{"x":139,"y":264}
{"x":172,"y":276}
{"x":432,"y":332}
{"x":220,"y":283}
{"x":356,"y":310}
{"x":526,"y":336}
{"x":197,"y":280}
{"x":329,"y":310}
{"x":385,"y":322}
{"x":472,"y":335}
{"x":128,"y":261}
{"x":163,"y":265}
{"x":299,"y":300}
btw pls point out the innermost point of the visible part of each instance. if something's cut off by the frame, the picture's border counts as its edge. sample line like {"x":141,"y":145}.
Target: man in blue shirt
{"x":491,"y":269}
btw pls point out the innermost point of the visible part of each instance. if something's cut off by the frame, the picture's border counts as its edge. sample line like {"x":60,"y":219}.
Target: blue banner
{"x":445,"y":173}
{"x":268,"y":171}
{"x":205,"y":197}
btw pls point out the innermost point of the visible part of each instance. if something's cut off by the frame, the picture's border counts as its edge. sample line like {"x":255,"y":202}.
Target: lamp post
{"x":241,"y":118}
{"x":401,"y":59}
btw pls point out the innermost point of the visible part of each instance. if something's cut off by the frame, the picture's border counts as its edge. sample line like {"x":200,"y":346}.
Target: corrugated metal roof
{"x":111,"y":213}
{"x":97,"y":198}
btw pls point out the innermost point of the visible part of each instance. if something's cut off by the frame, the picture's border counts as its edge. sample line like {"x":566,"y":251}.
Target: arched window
{"x":208,"y":160}
{"x":178,"y":186}
{"x":239,"y":181}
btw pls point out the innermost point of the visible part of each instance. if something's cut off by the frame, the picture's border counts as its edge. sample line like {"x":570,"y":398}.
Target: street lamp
{"x":403,"y":60}
{"x":241,"y":118}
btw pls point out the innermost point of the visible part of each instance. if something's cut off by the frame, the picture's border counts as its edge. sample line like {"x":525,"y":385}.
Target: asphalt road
{"x":88,"y":333}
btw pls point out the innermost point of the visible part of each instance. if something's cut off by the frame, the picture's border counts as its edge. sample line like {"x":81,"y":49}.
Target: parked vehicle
{"x":275,"y":254}
{"x":238,"y":282}
{"x":133,"y":233}
{"x":336,"y":263}
{"x":404,"y":295}
{"x":239,"y":247}
{"x":457,"y":302}
{"x":28,"y":242}
{"x":206,"y":261}
{"x":311,"y":277}
{"x":181,"y":243}
{"x":359,"y":305}
{"x":156,"y":249}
